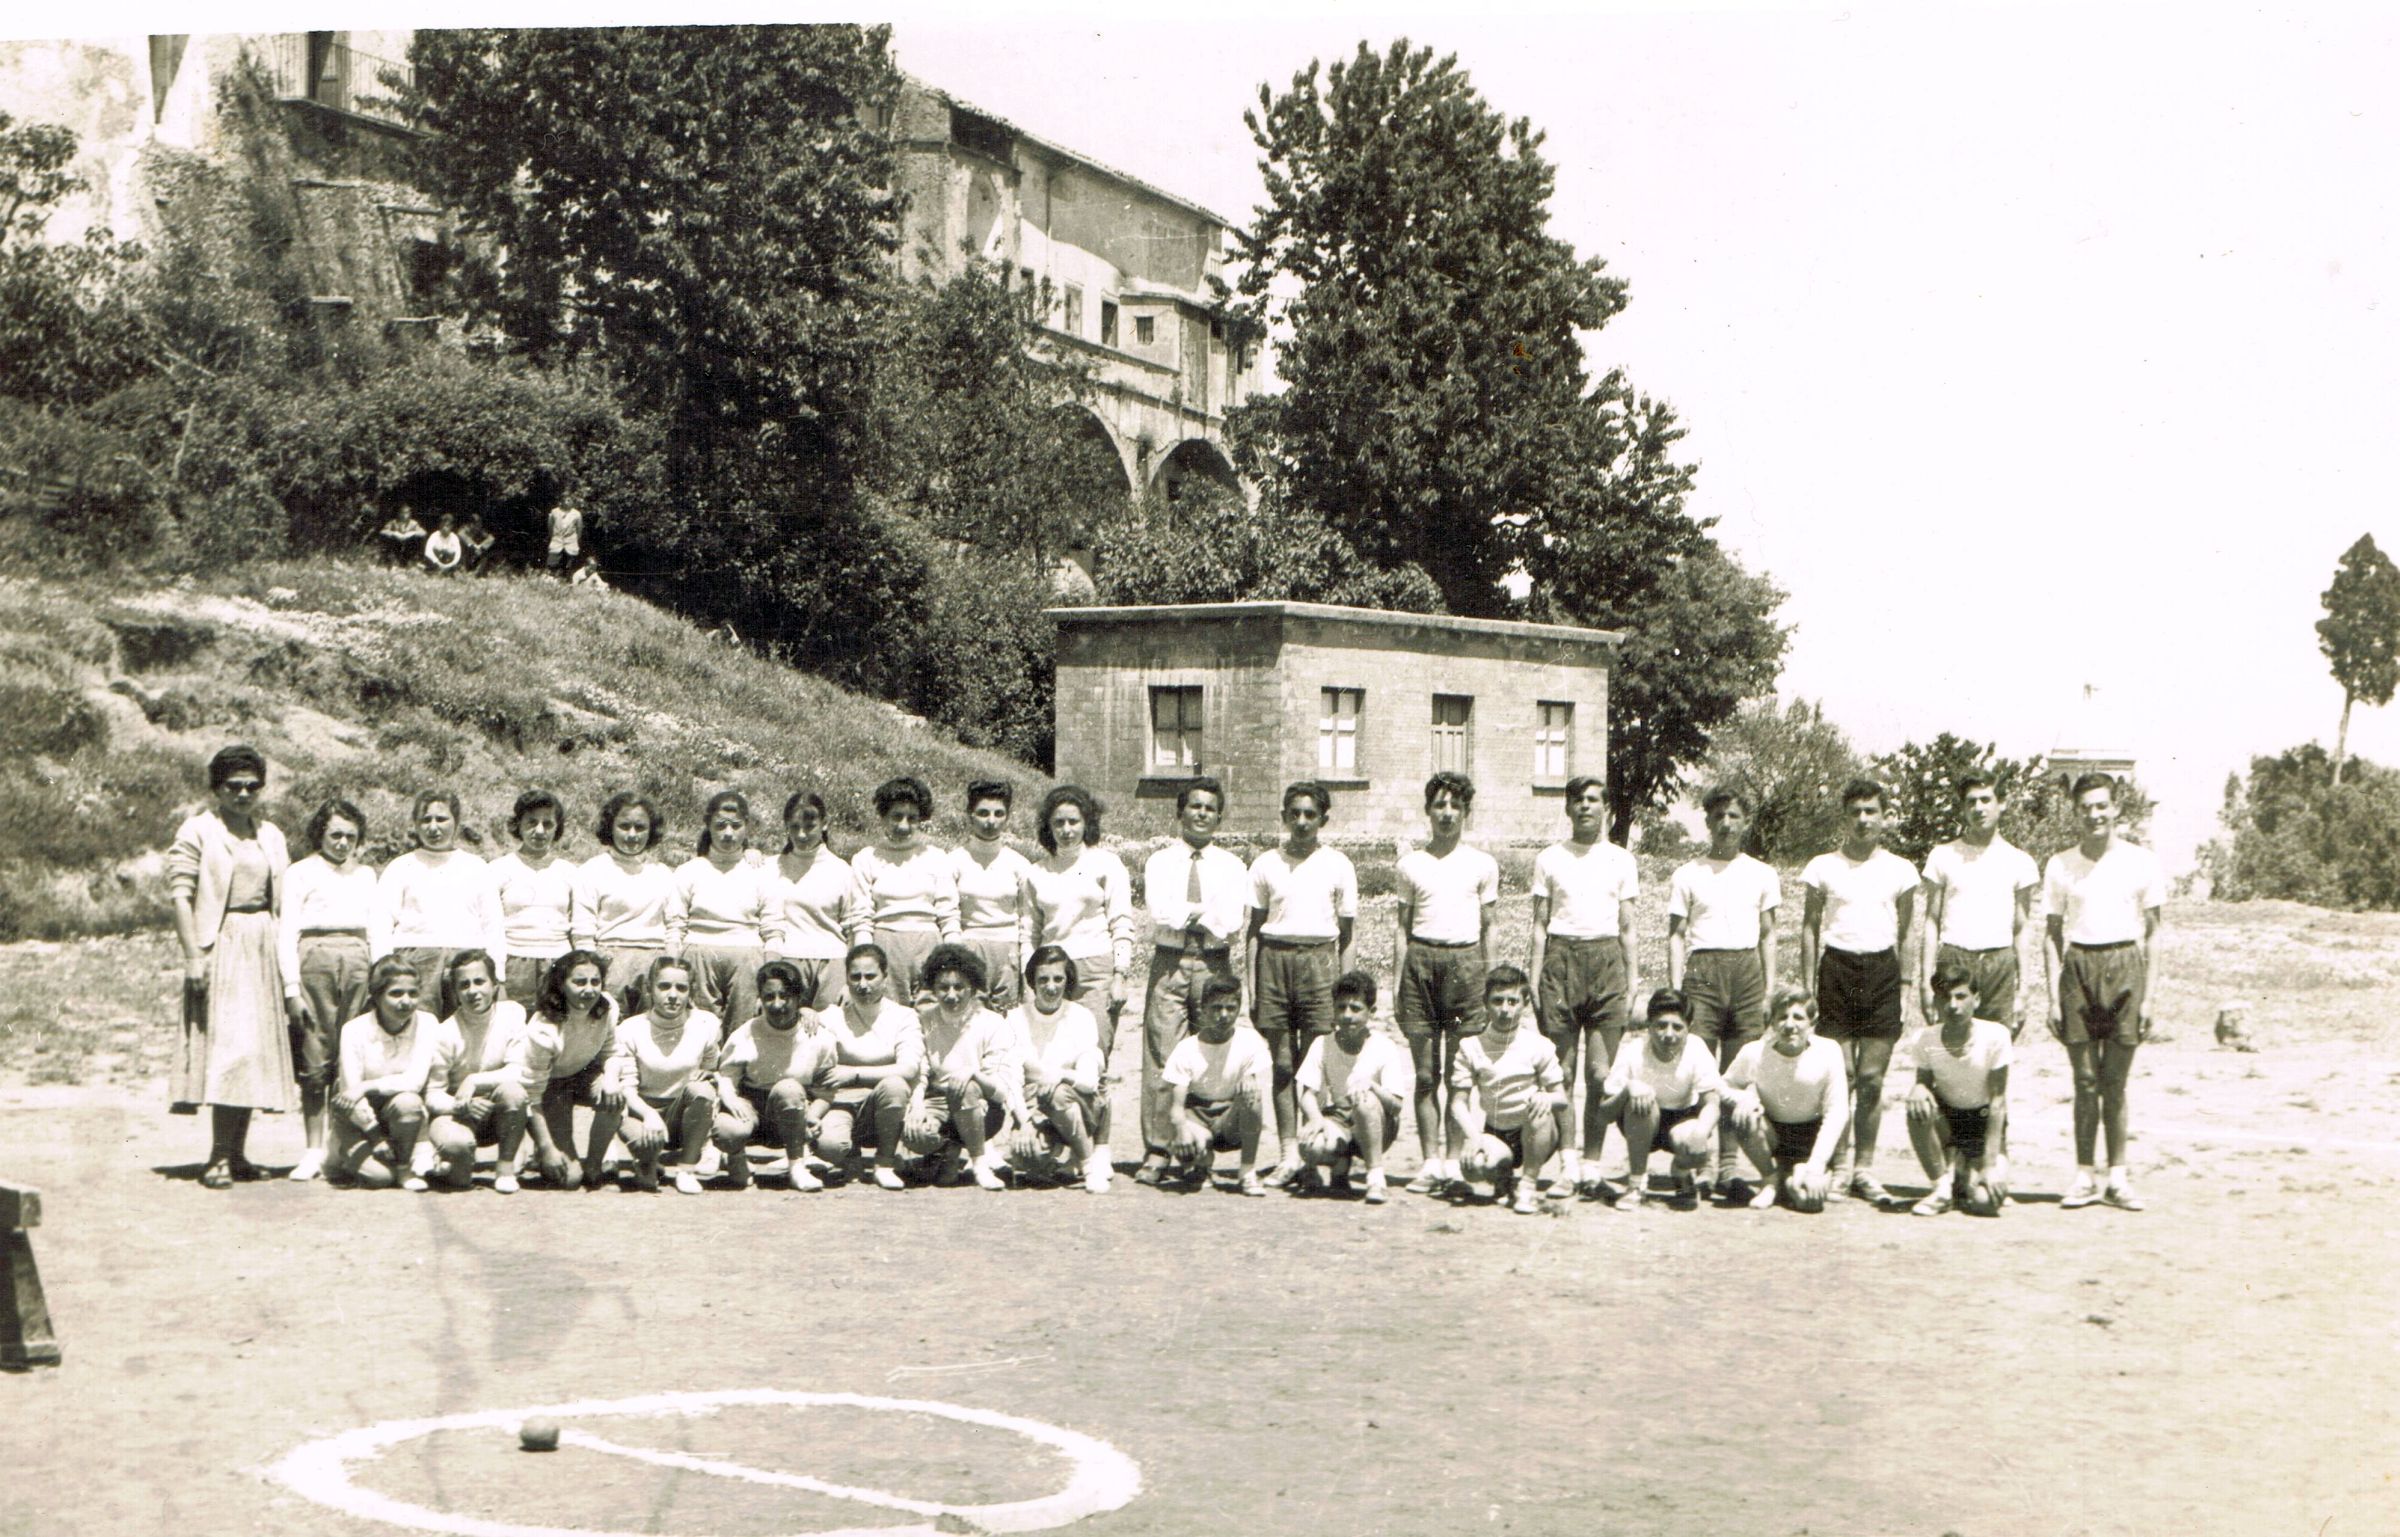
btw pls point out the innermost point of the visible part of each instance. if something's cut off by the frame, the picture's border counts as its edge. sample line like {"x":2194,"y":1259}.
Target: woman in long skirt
{"x":226,"y":872}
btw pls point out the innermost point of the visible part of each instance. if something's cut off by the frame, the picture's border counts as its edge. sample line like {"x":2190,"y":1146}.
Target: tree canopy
{"x":2360,"y":633}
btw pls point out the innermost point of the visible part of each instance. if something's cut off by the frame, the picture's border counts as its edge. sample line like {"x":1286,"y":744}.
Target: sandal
{"x":1933,"y":1205}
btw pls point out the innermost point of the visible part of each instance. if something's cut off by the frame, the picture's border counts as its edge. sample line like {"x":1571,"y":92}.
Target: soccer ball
{"x":1485,"y":1160}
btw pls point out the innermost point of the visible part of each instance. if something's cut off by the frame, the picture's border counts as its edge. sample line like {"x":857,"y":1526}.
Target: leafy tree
{"x":66,"y":336}
{"x":1922,"y":779}
{"x":1793,"y":762}
{"x":2360,"y":633}
{"x":1433,"y":376}
{"x":2292,"y":832}
{"x":1212,"y":547}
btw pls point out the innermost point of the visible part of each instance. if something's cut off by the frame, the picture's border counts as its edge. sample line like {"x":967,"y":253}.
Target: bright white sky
{"x":2026,"y":347}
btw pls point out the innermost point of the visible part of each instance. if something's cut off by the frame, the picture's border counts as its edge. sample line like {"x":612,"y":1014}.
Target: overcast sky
{"x":2026,"y":348}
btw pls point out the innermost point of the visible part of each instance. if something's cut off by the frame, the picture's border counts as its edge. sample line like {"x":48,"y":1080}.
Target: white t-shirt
{"x":1722,"y":901}
{"x":1208,"y":1072}
{"x":1336,"y":1077}
{"x":1304,"y":900}
{"x":1862,"y":913}
{"x":1962,"y":1080}
{"x":1678,"y":1082}
{"x":1584,"y":887}
{"x":1447,"y":893}
{"x":1801,"y":1088}
{"x":2103,"y":900}
{"x":1508,"y":1084}
{"x":1979,"y":888}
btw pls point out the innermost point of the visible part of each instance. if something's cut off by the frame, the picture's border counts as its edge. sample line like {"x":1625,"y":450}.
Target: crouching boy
{"x":1520,"y":1113}
{"x":1353,"y":1085}
{"x":1214,"y":1088}
{"x":1791,"y":1100}
{"x":1958,"y":1110}
{"x":1661,"y":1092}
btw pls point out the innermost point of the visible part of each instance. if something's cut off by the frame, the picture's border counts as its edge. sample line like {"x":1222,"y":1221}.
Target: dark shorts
{"x":2101,"y":989}
{"x":1217,"y":1116}
{"x":480,"y":1115}
{"x":750,"y":1114}
{"x":1345,"y":1115}
{"x":1583,"y":985}
{"x":1441,"y":986}
{"x":1295,"y":992}
{"x":1858,"y":996}
{"x":1795,"y":1140}
{"x":522,"y":982}
{"x":1994,"y":973}
{"x":582,"y":1086}
{"x":1512,"y":1138}
{"x":1970,"y":1130}
{"x":1726,"y":994}
{"x":1661,"y":1140}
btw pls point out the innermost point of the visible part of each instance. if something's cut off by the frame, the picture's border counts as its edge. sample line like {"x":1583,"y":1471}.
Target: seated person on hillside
{"x":476,"y":1093}
{"x":399,"y":537}
{"x":1959,"y":1107}
{"x":1214,"y":1089}
{"x":1058,"y":1045}
{"x":775,"y":1081}
{"x":1661,"y":1092}
{"x":1353,"y":1087}
{"x":477,"y":542}
{"x":1519,"y":1113}
{"x":443,"y":548}
{"x":972,"y":1087}
{"x":386,"y":1058}
{"x":1790,"y":1096}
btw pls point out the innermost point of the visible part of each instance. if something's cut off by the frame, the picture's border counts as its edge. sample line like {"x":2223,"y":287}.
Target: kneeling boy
{"x":1214,"y":1088}
{"x":1521,"y":1112}
{"x":1958,"y":1111}
{"x":1353,"y":1085}
{"x":1661,"y":1092}
{"x":1792,"y":1106}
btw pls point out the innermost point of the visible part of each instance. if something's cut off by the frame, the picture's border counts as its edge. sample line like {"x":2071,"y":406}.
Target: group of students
{"x":916,"y":1013}
{"x":453,"y":548}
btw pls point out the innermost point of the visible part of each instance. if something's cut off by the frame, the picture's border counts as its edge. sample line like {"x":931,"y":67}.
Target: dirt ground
{"x":2222,"y":1363}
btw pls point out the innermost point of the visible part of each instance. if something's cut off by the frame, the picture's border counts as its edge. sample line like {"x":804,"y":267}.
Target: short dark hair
{"x":2085,"y":783}
{"x":1723,"y":796}
{"x":1581,"y":783}
{"x":1313,"y":790}
{"x":1505,"y":975}
{"x":529,"y":803}
{"x":779,"y":970}
{"x":1196,"y":784}
{"x":981,"y":790}
{"x":616,"y":806}
{"x":1665,"y":1001}
{"x":903,"y":787}
{"x":1220,"y":987}
{"x":1785,"y":997}
{"x":1051,"y":955}
{"x":380,"y":975}
{"x":232,"y":759}
{"x":327,"y":810}
{"x":1358,"y":984}
{"x":1068,"y":795}
{"x":955,"y":957}
{"x":867,"y":947}
{"x":1452,"y":783}
{"x":1950,"y":974}
{"x":1976,"y":779}
{"x":708,"y":813}
{"x":550,"y":999}
{"x":460,"y":959}
{"x":441,"y":796}
{"x":1858,"y":791}
{"x":792,"y":804}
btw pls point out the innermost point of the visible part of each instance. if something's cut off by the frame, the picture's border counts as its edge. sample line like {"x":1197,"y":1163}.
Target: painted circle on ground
{"x":1103,"y":1479}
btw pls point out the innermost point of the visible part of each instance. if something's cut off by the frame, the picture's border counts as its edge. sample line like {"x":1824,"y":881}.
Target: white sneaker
{"x":421,"y":1158}
{"x":504,"y":1183}
{"x":1095,"y":1177}
{"x":686,"y":1182}
{"x":415,"y":1184}
{"x":310,"y":1166}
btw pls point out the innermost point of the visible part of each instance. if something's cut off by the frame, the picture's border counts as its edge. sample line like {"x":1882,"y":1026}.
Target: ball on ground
{"x":1485,"y":1160}
{"x":538,"y":1435}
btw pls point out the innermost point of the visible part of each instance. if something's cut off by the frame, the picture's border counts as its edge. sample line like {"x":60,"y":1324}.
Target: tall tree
{"x":2360,"y":633}
{"x":1426,"y":320}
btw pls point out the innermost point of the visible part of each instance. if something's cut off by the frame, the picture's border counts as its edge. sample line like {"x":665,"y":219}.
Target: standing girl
{"x":226,"y":870}
{"x":911,"y":894}
{"x":991,"y":879}
{"x":437,"y":899}
{"x":330,"y":933}
{"x":537,"y":894}
{"x":569,"y":1057}
{"x":668,"y":1063}
{"x":1082,"y":902}
{"x":813,"y":903}
{"x":621,"y":893}
{"x":717,"y":912}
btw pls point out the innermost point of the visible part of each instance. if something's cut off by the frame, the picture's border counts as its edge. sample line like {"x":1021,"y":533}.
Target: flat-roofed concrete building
{"x":1371,"y":703}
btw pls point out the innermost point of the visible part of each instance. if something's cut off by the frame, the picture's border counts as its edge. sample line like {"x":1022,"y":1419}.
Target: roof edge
{"x":1152,"y":613}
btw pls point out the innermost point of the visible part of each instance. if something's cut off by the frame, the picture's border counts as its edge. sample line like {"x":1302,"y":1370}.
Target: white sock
{"x":2116,"y":1174}
{"x":1570,"y":1165}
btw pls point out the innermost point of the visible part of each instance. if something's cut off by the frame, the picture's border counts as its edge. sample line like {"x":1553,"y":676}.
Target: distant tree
{"x":1793,"y":762}
{"x":66,"y":335}
{"x":1923,"y":781}
{"x":2360,"y":633}
{"x":1427,"y":322}
{"x":1210,"y":546}
{"x":2291,"y":832}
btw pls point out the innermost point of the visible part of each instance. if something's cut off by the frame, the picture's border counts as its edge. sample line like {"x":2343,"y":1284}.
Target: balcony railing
{"x":312,"y":67}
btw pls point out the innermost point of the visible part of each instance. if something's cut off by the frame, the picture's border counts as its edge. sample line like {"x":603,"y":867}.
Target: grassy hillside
{"x":374,"y":684}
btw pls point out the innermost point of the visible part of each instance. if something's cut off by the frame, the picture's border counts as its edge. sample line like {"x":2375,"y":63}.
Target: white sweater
{"x":445,"y":901}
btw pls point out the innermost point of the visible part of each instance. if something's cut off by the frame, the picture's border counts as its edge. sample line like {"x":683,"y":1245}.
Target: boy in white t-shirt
{"x":1352,"y":1087}
{"x":1303,"y":910}
{"x":1212,"y":1092}
{"x":1583,"y":965}
{"x":1959,"y":1107}
{"x":1721,"y":940}
{"x":1447,"y":892}
{"x":1979,"y":891}
{"x":1790,"y":1104}
{"x":1661,"y":1092}
{"x":1853,"y":953}
{"x":1509,"y":1105}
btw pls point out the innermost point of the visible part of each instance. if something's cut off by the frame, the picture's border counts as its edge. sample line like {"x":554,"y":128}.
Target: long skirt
{"x":240,"y":1054}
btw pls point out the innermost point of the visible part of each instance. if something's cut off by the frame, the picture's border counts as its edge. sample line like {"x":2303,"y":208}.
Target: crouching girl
{"x":668,"y":1059}
{"x":476,"y":1092}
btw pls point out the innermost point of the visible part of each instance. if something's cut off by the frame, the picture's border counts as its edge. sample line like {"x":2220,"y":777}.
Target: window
{"x":1453,"y":733}
{"x":1108,"y":323}
{"x":1026,"y":273}
{"x":1175,"y":730}
{"x":1145,"y":330}
{"x":1553,"y":734}
{"x":1337,"y":732}
{"x":1072,"y":320}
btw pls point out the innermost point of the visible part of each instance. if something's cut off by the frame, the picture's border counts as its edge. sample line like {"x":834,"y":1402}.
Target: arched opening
{"x":1195,"y":460}
{"x":1098,"y":484}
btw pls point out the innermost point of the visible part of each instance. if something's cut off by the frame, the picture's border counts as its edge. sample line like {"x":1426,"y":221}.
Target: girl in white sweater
{"x":717,"y":913}
{"x":438,"y":899}
{"x":668,"y":1057}
{"x":621,"y":896}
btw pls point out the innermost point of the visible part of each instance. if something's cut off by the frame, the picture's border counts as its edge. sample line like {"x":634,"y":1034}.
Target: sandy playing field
{"x":2223,"y":1363}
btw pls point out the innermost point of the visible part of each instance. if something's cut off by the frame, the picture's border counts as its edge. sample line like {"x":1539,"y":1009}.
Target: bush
{"x":92,"y":498}
{"x":1922,"y":779}
{"x":2292,"y":833}
{"x":1792,"y":762}
{"x":983,"y":659}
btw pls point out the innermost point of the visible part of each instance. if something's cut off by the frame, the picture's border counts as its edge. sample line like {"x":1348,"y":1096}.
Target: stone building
{"x":1368,"y":702}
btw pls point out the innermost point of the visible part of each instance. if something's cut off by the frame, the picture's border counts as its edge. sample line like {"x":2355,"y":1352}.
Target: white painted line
{"x":1103,"y":1478}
